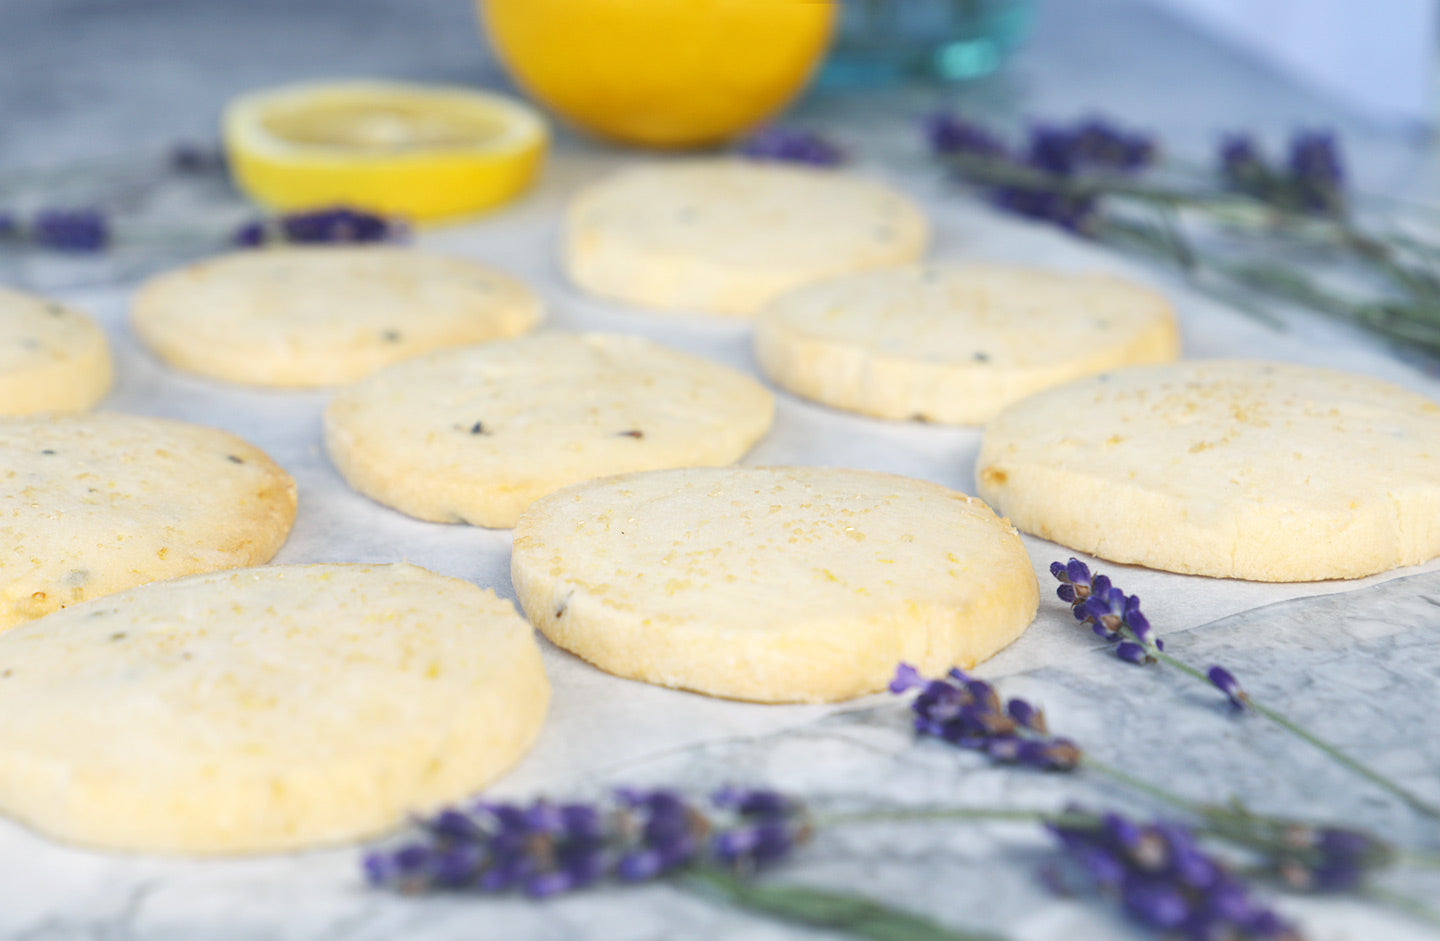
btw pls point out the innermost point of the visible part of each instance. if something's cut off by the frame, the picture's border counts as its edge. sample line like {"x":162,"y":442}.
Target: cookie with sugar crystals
{"x":324,"y":315}
{"x":1228,"y":468}
{"x":725,"y":236}
{"x":773,"y":584}
{"x":475,"y":435}
{"x":956,"y":343}
{"x":263,"y":709}
{"x":52,"y":358}
{"x":93,"y":504}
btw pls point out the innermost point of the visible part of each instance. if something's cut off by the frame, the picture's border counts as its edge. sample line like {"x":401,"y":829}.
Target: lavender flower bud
{"x":1225,"y":681}
{"x":792,"y":145}
{"x":1316,"y":171}
{"x":70,"y":230}
{"x":948,"y":134}
{"x":338,"y":225}
{"x":1133,"y":653}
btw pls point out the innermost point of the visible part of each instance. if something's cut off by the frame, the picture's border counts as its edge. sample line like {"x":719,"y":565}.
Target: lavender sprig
{"x":792,"y":145}
{"x":968,"y":713}
{"x":336,"y":225}
{"x":543,"y":849}
{"x":1163,"y":880}
{"x":1117,"y":618}
{"x":1095,"y":180}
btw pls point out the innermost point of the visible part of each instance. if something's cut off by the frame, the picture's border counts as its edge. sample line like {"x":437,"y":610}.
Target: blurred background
{"x":81,"y":77}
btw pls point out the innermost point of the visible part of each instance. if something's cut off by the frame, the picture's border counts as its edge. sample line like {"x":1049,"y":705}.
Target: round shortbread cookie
{"x":1229,"y":468}
{"x":956,"y":343}
{"x":478,"y":434}
{"x":773,"y":584}
{"x":725,"y":236}
{"x":263,"y":709}
{"x":324,"y":315}
{"x":52,"y":358}
{"x":93,"y":504}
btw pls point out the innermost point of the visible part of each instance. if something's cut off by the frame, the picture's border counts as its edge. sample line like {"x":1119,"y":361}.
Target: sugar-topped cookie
{"x":956,"y":343}
{"x":475,"y":435}
{"x":52,"y":358}
{"x":1231,"y":468}
{"x":774,"y":584}
{"x":263,"y":709}
{"x":324,"y":315}
{"x":92,"y":504}
{"x":725,"y":236}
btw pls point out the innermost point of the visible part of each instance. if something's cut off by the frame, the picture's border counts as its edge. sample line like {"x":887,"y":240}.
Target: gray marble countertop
{"x":86,"y":79}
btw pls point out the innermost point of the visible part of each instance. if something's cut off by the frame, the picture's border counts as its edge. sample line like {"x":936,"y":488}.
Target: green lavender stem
{"x":854,"y":915}
{"x":1331,"y":751}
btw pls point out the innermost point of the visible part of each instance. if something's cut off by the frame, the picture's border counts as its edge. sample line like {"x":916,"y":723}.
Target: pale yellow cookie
{"x":725,"y":236}
{"x":324,"y":315}
{"x":1231,"y":468}
{"x":956,"y":343}
{"x":476,"y":435}
{"x":93,"y":504}
{"x":263,"y":709}
{"x":774,"y":584}
{"x":52,"y":358}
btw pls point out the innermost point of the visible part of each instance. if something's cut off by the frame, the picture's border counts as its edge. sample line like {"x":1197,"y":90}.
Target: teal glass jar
{"x":884,"y":41}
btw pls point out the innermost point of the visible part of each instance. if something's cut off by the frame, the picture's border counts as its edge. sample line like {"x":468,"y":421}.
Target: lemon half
{"x":417,"y":151}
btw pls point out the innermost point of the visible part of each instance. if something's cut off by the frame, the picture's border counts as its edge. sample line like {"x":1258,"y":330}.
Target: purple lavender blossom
{"x":1073,"y":213}
{"x":1316,"y":171}
{"x":947,"y":133}
{"x":1312,"y":181}
{"x":1161,"y":879}
{"x":1329,"y":859}
{"x":968,"y":713}
{"x":337,"y":225}
{"x":1223,"y":680}
{"x":1111,"y":614}
{"x":1242,"y":168}
{"x":1102,"y":144}
{"x":1091,"y":144}
{"x":70,"y":230}
{"x":792,"y":145}
{"x":544,"y":849}
{"x":9,"y":226}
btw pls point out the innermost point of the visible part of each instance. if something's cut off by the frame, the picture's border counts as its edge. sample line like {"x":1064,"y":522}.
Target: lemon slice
{"x":417,"y":151}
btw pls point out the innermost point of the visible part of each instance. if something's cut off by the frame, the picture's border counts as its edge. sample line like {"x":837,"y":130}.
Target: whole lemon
{"x":664,"y":73}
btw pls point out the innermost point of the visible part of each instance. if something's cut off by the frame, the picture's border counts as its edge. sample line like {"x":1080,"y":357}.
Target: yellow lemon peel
{"x":422,"y":152}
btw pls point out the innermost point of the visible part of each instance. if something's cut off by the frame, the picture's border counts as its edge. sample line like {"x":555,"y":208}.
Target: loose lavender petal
{"x":906,"y":677}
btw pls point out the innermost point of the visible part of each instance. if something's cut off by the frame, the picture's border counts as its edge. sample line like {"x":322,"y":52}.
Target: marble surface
{"x":95,"y":79}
